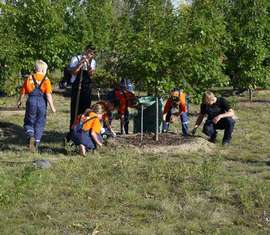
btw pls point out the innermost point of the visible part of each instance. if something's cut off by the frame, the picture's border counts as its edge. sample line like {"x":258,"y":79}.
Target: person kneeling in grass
{"x":86,"y":130}
{"x":220,"y":116}
{"x":38,"y":88}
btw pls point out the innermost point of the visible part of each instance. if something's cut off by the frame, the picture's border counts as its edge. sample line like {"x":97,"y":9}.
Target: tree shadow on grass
{"x":11,"y":134}
{"x":255,"y":101}
{"x":13,"y":138}
{"x":250,"y":161}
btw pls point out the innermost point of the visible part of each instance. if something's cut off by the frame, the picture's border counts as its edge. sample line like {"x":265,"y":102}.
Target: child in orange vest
{"x":38,"y":88}
{"x":86,"y":130}
{"x":176,"y":105}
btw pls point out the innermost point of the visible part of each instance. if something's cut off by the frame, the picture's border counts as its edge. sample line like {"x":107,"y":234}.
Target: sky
{"x":177,"y":2}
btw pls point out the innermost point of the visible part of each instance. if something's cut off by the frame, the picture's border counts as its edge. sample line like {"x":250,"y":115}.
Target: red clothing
{"x":182,"y":103}
{"x":125,"y":100}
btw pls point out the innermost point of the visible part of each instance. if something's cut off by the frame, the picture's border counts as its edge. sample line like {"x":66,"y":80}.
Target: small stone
{"x":42,"y":164}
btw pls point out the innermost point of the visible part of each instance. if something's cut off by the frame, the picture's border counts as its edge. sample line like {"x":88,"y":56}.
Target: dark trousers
{"x":226,"y":124}
{"x":78,"y":136}
{"x":126,"y":121}
{"x":84,"y":100}
{"x":35,"y":115}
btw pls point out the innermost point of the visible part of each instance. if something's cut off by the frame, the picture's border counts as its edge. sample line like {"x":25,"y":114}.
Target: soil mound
{"x":167,"y":143}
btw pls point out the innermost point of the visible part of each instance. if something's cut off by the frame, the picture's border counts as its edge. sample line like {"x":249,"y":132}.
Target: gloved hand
{"x":165,"y":126}
{"x":193,"y":132}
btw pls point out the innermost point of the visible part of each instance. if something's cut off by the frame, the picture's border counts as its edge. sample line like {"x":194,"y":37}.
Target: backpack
{"x":66,"y":79}
{"x":78,"y":123}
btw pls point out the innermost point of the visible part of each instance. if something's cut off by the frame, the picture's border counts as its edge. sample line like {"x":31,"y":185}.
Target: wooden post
{"x":141,"y":123}
{"x":157,"y":119}
{"x":78,"y":94}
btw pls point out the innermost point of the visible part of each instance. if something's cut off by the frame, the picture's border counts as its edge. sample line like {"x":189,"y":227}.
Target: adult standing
{"x":82,"y":68}
{"x":219,"y":116}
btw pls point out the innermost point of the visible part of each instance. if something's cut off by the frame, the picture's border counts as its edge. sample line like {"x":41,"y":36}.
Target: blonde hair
{"x":98,"y":108}
{"x":208,"y":97}
{"x":41,"y":66}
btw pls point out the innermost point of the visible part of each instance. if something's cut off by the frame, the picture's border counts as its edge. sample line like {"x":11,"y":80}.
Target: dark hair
{"x":90,"y":47}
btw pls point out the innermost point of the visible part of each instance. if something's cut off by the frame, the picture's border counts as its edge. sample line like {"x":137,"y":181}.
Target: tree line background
{"x":200,"y":45}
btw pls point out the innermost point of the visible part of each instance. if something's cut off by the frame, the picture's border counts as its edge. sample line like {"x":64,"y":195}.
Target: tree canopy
{"x":200,"y":45}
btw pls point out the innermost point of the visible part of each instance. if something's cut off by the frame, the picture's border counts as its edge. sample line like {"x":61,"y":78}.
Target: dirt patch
{"x":167,"y":143}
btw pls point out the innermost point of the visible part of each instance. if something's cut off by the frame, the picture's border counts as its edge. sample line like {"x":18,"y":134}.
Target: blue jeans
{"x":184,"y":121}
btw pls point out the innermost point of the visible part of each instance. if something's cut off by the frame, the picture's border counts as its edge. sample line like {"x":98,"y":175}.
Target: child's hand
{"x":53,"y":110}
{"x":19,"y":103}
{"x":114,"y":134}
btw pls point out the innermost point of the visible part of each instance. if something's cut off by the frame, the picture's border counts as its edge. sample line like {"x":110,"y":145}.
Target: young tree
{"x":142,"y":45}
{"x":201,"y":41}
{"x":248,"y":24}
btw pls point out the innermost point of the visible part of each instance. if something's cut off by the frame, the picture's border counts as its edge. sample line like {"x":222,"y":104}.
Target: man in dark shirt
{"x":219,"y":116}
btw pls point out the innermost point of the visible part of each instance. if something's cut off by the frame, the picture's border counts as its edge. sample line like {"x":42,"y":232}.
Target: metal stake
{"x":157,"y":119}
{"x":141,"y":123}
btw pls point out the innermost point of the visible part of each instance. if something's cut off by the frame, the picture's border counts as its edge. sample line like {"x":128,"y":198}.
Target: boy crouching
{"x":39,"y":90}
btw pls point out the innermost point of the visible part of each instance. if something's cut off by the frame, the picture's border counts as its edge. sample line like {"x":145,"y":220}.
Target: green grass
{"x":121,"y":191}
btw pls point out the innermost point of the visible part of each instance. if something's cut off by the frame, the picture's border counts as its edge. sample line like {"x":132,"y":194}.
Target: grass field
{"x":122,"y":191}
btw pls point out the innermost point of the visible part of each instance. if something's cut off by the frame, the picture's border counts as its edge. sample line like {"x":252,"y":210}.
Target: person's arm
{"x":22,"y":93}
{"x":199,"y":120}
{"x":198,"y":123}
{"x":50,"y":101}
{"x":229,"y":113}
{"x":111,"y":130}
{"x":166,"y":109}
{"x":92,"y":67}
{"x":19,"y":101}
{"x":76,"y":64}
{"x":95,"y":137}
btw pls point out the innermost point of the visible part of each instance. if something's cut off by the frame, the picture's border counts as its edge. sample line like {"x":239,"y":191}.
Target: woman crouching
{"x":86,"y":130}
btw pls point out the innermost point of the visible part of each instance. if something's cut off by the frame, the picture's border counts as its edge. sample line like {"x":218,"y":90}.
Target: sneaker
{"x":32,"y":147}
{"x":225,"y":143}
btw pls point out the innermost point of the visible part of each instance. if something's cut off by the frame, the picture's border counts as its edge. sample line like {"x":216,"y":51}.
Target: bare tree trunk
{"x":250,"y":94}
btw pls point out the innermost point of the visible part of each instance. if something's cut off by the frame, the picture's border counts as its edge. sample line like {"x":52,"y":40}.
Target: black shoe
{"x":212,"y":140}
